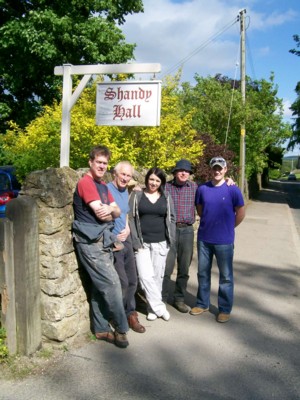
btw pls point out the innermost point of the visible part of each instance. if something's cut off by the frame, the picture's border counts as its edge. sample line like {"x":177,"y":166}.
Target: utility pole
{"x":243,"y":92}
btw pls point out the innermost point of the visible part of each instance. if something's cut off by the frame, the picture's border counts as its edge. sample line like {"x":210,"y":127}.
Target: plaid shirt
{"x":183,"y":197}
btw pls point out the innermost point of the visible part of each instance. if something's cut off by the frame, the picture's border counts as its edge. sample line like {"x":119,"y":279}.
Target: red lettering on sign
{"x":121,"y":112}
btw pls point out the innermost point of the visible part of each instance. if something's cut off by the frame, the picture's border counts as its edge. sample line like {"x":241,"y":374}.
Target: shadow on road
{"x":253,"y":357}
{"x":281,"y":192}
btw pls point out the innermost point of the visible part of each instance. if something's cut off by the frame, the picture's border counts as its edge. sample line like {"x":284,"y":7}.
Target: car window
{"x":5,"y":183}
{"x":15,"y":184}
{"x":9,"y":171}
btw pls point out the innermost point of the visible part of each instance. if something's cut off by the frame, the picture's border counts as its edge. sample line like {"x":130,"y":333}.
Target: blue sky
{"x":170,"y":31}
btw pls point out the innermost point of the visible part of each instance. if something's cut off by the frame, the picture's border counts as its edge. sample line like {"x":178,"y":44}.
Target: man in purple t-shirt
{"x":221,"y":208}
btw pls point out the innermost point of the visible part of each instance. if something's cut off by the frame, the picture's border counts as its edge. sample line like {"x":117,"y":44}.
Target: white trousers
{"x":151,"y":263}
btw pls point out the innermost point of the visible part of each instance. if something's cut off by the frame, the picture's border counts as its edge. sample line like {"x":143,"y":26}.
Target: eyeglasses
{"x":217,"y":160}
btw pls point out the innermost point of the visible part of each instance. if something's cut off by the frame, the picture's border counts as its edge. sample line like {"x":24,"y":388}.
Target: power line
{"x":232,"y":94}
{"x":201,"y":47}
{"x":233,"y":86}
{"x":250,"y":56}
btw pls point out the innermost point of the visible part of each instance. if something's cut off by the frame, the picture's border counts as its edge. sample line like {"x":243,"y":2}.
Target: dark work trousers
{"x":182,"y":252}
{"x":124,"y":262}
{"x":106,"y":293}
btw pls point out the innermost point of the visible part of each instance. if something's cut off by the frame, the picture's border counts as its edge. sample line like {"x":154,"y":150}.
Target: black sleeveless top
{"x":152,"y":219}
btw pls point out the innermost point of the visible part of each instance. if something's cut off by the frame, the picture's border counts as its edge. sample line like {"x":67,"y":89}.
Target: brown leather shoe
{"x":198,"y":310}
{"x":121,"y":340}
{"x":106,"y":336}
{"x":222,"y":317}
{"x":134,"y":323}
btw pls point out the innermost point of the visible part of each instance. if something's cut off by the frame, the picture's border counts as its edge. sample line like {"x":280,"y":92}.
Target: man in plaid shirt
{"x":183,"y":193}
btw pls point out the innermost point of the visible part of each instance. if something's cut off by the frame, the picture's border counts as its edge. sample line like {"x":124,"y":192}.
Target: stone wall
{"x":64,"y":307}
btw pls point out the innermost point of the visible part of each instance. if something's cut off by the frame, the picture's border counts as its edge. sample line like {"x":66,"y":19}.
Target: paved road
{"x":256,"y":356}
{"x":291,"y":191}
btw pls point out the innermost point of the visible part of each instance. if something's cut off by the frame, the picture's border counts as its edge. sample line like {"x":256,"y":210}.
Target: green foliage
{"x":275,"y":173}
{"x":36,"y":36}
{"x":173,"y":139}
{"x":38,"y":146}
{"x":45,"y":353}
{"x":3,"y":348}
{"x":186,"y":113}
{"x":265,"y":125}
{"x":202,"y":169}
{"x":211,"y":98}
{"x":275,"y":156}
{"x":295,"y":107}
{"x":297,"y":40}
{"x":219,"y":105}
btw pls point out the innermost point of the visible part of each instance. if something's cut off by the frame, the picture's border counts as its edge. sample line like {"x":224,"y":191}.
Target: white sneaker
{"x":166,"y":315}
{"x":151,"y":317}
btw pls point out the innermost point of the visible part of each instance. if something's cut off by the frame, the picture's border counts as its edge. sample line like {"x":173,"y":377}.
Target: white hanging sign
{"x":128,"y":103}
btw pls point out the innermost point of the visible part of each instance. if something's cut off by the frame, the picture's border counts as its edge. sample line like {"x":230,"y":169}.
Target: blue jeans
{"x":183,"y":251}
{"x":224,"y":257}
{"x":106,"y":293}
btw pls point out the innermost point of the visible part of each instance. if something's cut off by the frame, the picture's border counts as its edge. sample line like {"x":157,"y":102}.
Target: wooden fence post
{"x":7,"y":284}
{"x":23,"y":212}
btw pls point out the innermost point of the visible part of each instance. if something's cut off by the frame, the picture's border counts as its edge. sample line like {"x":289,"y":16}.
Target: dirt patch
{"x":20,"y":367}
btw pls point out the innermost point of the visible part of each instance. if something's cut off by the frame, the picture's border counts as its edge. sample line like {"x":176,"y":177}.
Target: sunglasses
{"x":217,"y":160}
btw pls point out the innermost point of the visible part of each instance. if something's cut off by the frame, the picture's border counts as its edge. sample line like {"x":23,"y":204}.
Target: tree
{"x":202,"y":169}
{"x":264,"y":123}
{"x":295,"y":107}
{"x":220,"y":113}
{"x":297,"y":40}
{"x":38,"y":145}
{"x":36,"y":36}
{"x":174,"y":139}
{"x":275,"y":156}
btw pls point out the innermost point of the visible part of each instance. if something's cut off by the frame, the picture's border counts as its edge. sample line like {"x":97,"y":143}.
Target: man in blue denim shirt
{"x":124,"y":260}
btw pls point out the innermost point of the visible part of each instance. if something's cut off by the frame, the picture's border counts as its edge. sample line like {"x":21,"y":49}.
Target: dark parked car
{"x":292,"y":177}
{"x":9,"y":187}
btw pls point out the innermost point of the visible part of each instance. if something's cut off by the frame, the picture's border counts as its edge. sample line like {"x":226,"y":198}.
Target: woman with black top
{"x":152,"y":226}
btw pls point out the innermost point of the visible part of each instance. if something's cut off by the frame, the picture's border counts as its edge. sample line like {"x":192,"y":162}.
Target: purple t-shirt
{"x":218,"y":212}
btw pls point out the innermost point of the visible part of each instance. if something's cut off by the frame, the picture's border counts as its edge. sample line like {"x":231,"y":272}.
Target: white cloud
{"x":192,"y":34}
{"x":275,"y":18}
{"x":169,"y":33}
{"x":263,"y":51}
{"x":286,"y":109}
